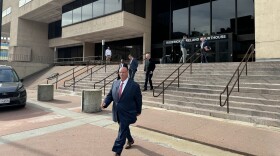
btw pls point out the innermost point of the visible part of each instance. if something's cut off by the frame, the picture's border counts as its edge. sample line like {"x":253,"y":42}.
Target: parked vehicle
{"x":12,"y":91}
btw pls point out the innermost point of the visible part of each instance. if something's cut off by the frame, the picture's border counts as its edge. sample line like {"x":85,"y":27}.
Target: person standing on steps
{"x":122,"y":64}
{"x":184,"y":49}
{"x":133,"y":66}
{"x":149,"y":71}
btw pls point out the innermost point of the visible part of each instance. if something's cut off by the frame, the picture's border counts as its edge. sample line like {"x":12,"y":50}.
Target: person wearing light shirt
{"x":108,"y":55}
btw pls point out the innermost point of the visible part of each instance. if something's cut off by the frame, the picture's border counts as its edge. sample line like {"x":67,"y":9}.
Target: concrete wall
{"x":267,"y":15}
{"x":24,"y":69}
{"x":88,"y":49}
{"x":30,"y":34}
{"x":59,"y":42}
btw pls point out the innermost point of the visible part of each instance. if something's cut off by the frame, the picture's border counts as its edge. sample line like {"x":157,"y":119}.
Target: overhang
{"x":113,"y":27}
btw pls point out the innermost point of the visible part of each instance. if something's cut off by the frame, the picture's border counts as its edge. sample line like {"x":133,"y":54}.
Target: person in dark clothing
{"x":122,"y":64}
{"x":149,"y":71}
{"x":126,"y":97}
{"x":132,"y":67}
{"x":204,"y":48}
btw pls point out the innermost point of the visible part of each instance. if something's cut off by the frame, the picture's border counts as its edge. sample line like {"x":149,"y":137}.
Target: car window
{"x":8,"y":75}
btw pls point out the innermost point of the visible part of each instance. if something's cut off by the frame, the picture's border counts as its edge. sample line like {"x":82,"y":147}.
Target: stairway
{"x":257,"y":102}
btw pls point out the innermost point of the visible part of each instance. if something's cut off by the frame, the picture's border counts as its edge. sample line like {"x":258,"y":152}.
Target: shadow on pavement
{"x":146,"y":151}
{"x":15,"y":113}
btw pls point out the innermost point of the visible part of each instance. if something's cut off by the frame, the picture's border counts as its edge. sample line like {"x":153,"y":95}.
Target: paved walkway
{"x":59,"y":128}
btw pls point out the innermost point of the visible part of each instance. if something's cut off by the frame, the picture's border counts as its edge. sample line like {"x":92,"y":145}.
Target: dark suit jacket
{"x":205,"y":44}
{"x":130,"y":103}
{"x":124,"y":65}
{"x":149,"y":66}
{"x":133,"y":64}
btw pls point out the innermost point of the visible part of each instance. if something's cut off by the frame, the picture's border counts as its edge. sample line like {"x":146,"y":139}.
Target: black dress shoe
{"x":129,"y":144}
{"x":117,"y":154}
{"x":144,"y":90}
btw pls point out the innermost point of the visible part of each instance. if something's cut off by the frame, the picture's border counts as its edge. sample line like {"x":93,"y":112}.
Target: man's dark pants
{"x":123,"y":134}
{"x":148,"y":78}
{"x":132,"y":73}
{"x":203,"y":57}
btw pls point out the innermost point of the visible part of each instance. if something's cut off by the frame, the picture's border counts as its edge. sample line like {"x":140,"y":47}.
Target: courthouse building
{"x":54,"y":29}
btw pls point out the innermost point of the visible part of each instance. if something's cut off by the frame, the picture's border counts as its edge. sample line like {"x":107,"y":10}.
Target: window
{"x":77,"y":15}
{"x":67,"y":18}
{"x":98,"y":8}
{"x":23,"y":2}
{"x":200,"y":17}
{"x":87,"y":11}
{"x":223,"y":11}
{"x":7,"y":12}
{"x":180,"y":12}
{"x":112,"y":6}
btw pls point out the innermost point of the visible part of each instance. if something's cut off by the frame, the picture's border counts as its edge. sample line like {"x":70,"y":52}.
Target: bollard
{"x":45,"y":92}
{"x":91,"y":100}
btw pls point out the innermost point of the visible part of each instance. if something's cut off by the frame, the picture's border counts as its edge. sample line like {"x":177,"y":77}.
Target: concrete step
{"x":218,"y":114}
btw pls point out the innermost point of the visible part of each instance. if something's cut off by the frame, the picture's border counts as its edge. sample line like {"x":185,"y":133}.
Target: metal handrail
{"x":74,"y":78}
{"x":178,"y":76}
{"x":251,"y":50}
{"x":104,"y":79}
{"x":73,"y":73}
{"x":76,"y":60}
{"x":105,"y":84}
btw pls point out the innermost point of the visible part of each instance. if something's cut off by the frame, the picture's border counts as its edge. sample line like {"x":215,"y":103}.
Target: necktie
{"x":120,"y":90}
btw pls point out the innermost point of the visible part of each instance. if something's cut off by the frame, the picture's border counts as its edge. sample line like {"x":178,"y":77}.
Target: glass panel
{"x":140,"y":8}
{"x":200,"y":17}
{"x":67,"y":18}
{"x":77,"y":15}
{"x":87,"y":12}
{"x":9,"y":10}
{"x":129,"y":6}
{"x":112,"y":6}
{"x":245,"y":17}
{"x":180,"y":23}
{"x":223,"y":15}
{"x":98,"y":8}
{"x":21,"y":3}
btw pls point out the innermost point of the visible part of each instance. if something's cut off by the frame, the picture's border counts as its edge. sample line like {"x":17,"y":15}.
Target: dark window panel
{"x":223,"y":11}
{"x":200,"y":17}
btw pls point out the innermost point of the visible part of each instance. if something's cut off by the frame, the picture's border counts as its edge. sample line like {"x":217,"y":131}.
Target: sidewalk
{"x":157,"y":132}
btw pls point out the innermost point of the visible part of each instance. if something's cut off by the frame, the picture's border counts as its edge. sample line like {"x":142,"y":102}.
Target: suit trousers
{"x":184,"y":55}
{"x":148,"y":78}
{"x":132,"y":73}
{"x":203,"y":57}
{"x":123,"y":134}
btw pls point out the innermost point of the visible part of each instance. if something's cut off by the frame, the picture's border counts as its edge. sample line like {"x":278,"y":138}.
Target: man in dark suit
{"x":122,"y":64}
{"x":149,"y":71}
{"x":127,"y":105}
{"x":204,"y":48}
{"x":133,"y":66}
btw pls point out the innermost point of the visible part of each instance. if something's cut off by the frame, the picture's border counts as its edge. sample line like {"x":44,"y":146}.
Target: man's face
{"x":123,"y":73}
{"x":121,"y":60}
{"x":148,"y":56}
{"x":130,"y":57}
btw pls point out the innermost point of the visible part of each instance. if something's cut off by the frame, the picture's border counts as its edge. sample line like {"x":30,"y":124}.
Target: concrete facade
{"x":267,"y":14}
{"x":28,"y":28}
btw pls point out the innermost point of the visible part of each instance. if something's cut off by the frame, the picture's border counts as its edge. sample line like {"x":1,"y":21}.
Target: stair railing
{"x":106,"y":82}
{"x":76,"y":80}
{"x":238,"y":72}
{"x":58,"y":76}
{"x":192,"y":59}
